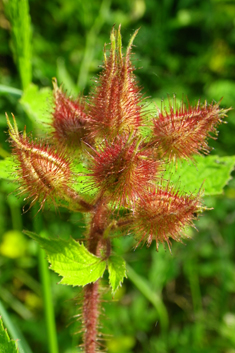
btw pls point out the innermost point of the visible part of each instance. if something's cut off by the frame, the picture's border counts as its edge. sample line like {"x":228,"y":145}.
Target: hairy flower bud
{"x":122,"y":170}
{"x":164,"y":214}
{"x":115,"y":103}
{"x":43,"y":172}
{"x":183,"y":131}
{"x":69,"y":119}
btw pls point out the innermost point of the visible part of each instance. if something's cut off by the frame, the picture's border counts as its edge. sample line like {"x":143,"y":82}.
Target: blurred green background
{"x":180,"y":302}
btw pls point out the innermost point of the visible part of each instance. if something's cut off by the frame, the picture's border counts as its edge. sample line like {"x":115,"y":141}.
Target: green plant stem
{"x":46,"y":288}
{"x":48,"y":303}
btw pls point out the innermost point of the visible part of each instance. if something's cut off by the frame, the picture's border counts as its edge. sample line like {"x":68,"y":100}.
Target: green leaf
{"x":14,"y":331}
{"x":7,"y":168}
{"x":117,"y":271}
{"x":18,"y":13}
{"x":6,"y":345}
{"x":71,"y":260}
{"x":211,"y":173}
{"x":37,"y":103}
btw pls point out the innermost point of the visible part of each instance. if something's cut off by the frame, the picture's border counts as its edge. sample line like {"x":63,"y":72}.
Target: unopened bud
{"x":69,"y":119}
{"x":164,"y":214}
{"x":182,"y":132}
{"x":122,"y":170}
{"x":115,"y":104}
{"x":42,"y":171}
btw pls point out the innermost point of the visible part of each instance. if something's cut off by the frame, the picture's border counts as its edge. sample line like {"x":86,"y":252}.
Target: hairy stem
{"x":90,"y":317}
{"x":76,"y":201}
{"x":91,"y":291}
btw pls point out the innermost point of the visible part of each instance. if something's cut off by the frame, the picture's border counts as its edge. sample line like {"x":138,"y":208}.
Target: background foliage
{"x":180,"y":302}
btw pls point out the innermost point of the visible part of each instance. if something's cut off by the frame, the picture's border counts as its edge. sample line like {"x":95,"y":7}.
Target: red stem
{"x":91,"y":290}
{"x":90,"y":317}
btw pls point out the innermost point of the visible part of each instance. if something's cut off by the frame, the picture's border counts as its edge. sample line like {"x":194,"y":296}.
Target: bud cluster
{"x":126,"y":169}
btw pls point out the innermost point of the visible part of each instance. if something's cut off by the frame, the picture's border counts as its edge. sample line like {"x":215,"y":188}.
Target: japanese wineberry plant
{"x":123,"y":164}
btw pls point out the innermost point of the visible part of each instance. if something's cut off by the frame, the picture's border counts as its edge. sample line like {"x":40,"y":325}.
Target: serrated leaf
{"x":117,"y":271}
{"x":37,"y":103}
{"x":6,"y":344}
{"x":211,"y":173}
{"x":7,"y":168}
{"x":71,"y":260}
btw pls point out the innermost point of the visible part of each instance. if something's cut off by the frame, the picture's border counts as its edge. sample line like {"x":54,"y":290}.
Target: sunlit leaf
{"x":211,"y":173}
{"x":71,"y":260}
{"x":117,"y":271}
{"x":7,"y":168}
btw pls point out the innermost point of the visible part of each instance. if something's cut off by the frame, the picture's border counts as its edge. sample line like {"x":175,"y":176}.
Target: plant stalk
{"x":91,"y":291}
{"x":90,"y":316}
